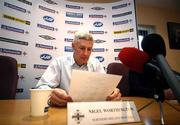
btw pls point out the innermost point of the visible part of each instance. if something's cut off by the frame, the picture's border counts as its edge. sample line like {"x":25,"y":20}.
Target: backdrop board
{"x":36,"y":31}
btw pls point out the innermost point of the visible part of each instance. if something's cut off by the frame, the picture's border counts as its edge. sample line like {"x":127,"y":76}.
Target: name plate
{"x":107,"y":112}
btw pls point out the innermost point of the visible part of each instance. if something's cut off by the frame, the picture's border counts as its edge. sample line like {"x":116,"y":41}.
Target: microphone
{"x":133,"y":58}
{"x":142,"y":74}
{"x":154,"y":46}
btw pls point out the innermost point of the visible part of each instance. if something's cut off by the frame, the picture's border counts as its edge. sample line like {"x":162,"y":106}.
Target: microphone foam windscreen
{"x":153,"y":44}
{"x":133,"y":58}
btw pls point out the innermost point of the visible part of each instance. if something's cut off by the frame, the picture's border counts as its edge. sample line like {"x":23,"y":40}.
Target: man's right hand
{"x":59,"y":97}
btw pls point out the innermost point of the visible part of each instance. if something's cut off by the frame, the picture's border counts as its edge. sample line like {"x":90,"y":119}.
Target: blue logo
{"x":122,"y":14}
{"x":74,"y":15}
{"x":117,"y":50}
{"x":122,"y":22}
{"x":46,"y":27}
{"x":68,"y":40}
{"x":44,"y":46}
{"x":98,"y":24}
{"x":100,"y":58}
{"x":38,"y":66}
{"x":120,"y":6}
{"x":73,"y":6}
{"x":97,"y":16}
{"x":72,"y":22}
{"x":99,"y":41}
{"x":48,"y":9}
{"x":15,"y":7}
{"x":14,"y":29}
{"x":48,"y":19}
{"x":13,"y":41}
{"x":45,"y":57}
{"x":121,"y":40}
{"x":10,"y":51}
{"x":97,"y":32}
{"x":68,"y":49}
{"x":26,"y":2}
{"x":99,"y":49}
{"x":50,"y":2}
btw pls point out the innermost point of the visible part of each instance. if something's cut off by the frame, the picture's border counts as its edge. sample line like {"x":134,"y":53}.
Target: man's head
{"x":82,"y":45}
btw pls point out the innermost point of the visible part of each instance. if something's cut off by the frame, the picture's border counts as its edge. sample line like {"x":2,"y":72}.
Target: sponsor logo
{"x":45,"y":57}
{"x":97,"y":32}
{"x":97,"y":8}
{"x":17,"y":19}
{"x":46,"y":37}
{"x":99,"y":41}
{"x":100,"y":58}
{"x":74,"y":15}
{"x":10,"y":51}
{"x":48,"y":19}
{"x":122,"y":22}
{"x":97,"y":16}
{"x":5,"y":27}
{"x":73,"y":7}
{"x":50,"y":2}
{"x":122,"y":40}
{"x":124,"y":31}
{"x":116,"y":58}
{"x":46,"y":27}
{"x":21,"y":65}
{"x":25,"y":1}
{"x":68,"y":40}
{"x":73,"y":22}
{"x":121,"y":6}
{"x":117,"y":50}
{"x":99,"y":49}
{"x":16,"y":7}
{"x":122,"y":14}
{"x":71,"y":31}
{"x":47,"y":9}
{"x":98,"y":24}
{"x":13,"y":41}
{"x":45,"y":46}
{"x":68,"y":49}
{"x":38,"y":66}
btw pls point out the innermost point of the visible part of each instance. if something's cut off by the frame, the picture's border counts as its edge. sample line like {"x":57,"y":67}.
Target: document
{"x":92,"y":86}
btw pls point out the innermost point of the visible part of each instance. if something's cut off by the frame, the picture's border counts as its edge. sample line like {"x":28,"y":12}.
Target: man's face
{"x":82,"y":51}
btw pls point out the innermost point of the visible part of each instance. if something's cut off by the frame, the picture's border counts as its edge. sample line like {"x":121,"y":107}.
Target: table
{"x":16,"y":112}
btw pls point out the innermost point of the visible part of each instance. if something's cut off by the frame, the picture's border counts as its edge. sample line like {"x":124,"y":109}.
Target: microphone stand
{"x":159,"y":97}
{"x":158,"y":90}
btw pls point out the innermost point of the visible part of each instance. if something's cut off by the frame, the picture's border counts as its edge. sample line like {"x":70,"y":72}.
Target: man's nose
{"x":86,"y":52}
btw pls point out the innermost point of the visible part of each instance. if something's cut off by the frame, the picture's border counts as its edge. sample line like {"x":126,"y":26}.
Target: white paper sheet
{"x":92,"y":86}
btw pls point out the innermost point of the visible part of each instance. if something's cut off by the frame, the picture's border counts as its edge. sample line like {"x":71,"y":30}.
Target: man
{"x":58,"y":74}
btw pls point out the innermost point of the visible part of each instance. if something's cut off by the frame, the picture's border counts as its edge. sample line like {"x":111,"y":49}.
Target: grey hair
{"x":83,"y":35}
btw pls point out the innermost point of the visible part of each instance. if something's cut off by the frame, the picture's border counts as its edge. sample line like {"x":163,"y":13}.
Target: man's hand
{"x":59,"y":97}
{"x":115,"y":96}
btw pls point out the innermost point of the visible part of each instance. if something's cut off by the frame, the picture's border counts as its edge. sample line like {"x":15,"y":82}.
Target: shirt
{"x":58,"y":73}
